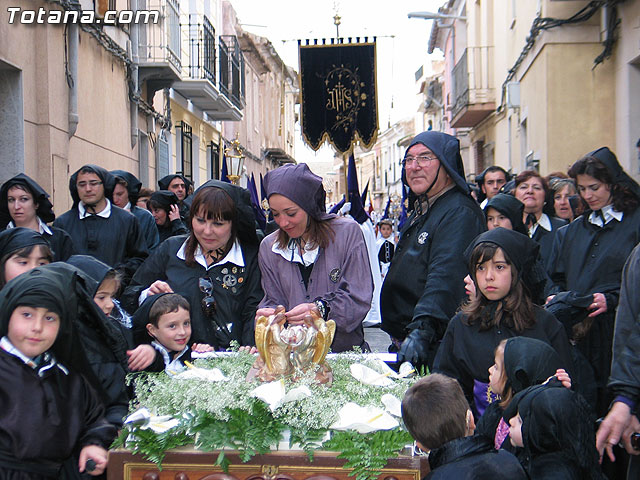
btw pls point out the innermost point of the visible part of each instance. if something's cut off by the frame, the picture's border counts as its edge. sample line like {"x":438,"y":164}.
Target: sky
{"x":401,"y":42}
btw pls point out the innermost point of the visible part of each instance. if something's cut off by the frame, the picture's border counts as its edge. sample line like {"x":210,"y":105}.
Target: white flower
{"x":143,"y":419}
{"x":209,"y":375}
{"x":369,"y":376}
{"x":363,"y":419}
{"x":273,"y":394}
{"x":392,"y":404}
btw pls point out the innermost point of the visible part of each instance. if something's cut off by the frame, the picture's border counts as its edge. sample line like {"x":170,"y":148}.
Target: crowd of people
{"x":517,"y":292}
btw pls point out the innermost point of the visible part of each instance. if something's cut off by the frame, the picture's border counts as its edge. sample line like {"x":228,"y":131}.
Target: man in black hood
{"x":98,"y":227}
{"x":125,"y":196}
{"x":181,"y":186}
{"x":424,"y":285}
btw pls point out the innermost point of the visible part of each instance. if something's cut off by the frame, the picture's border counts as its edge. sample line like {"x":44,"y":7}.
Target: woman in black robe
{"x":215,"y":267}
{"x":24,"y":203}
{"x":590,"y":253}
{"x":48,"y":409}
{"x":164,"y":208}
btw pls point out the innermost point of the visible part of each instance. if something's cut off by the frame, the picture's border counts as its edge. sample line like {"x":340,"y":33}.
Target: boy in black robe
{"x":48,"y":409}
{"x":436,"y":413}
{"x":98,"y":227}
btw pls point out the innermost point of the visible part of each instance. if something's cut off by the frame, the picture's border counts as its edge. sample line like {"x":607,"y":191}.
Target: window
{"x":214,"y":160}
{"x":187,"y":154}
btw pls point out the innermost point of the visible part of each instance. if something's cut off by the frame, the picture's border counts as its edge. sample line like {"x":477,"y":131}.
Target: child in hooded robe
{"x":21,"y":249}
{"x":508,"y":277}
{"x":520,"y":362}
{"x":48,"y":409}
{"x":164,"y":321}
{"x":554,"y":428}
{"x":105,"y":291}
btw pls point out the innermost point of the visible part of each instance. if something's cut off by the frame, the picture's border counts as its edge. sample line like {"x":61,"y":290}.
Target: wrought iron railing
{"x":160,"y":42}
{"x":231,"y":69}
{"x":473,"y":78}
{"x":201,"y":40}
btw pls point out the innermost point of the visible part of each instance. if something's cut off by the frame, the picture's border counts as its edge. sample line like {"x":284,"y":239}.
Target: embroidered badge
{"x":334,"y":275}
{"x":422,"y":238}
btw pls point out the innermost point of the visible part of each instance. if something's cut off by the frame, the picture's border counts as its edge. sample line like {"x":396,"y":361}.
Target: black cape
{"x":473,"y":458}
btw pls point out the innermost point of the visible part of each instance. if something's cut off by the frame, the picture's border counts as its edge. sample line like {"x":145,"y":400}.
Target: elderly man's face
{"x":421,"y":166}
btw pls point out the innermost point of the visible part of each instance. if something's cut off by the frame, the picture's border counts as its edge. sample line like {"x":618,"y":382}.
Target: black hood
{"x":557,"y":420}
{"x":108,"y":182}
{"x":19,"y":237}
{"x":241,"y":197}
{"x":45,"y":208}
{"x":608,"y":158}
{"x":93,"y":268}
{"x":59,"y":288}
{"x":447,"y":149}
{"x":164,"y":182}
{"x":141,"y":318}
{"x":510,"y":207}
{"x":164,"y":198}
{"x":133,"y":184}
{"x":523,"y":254}
{"x":528,"y":361}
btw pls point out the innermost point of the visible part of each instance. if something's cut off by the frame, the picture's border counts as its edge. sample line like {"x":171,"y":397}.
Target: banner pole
{"x":345,"y":158}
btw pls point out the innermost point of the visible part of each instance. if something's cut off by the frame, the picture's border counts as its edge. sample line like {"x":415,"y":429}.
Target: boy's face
{"x":496,"y":219}
{"x":385,"y":230}
{"x":33,"y":330}
{"x":173,"y":330}
{"x":16,"y":265}
{"x":105,"y":295}
{"x":515,"y":431}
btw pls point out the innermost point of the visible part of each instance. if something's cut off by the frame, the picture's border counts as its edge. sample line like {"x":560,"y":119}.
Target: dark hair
{"x":168,"y":303}
{"x":434,"y":410}
{"x":23,"y":252}
{"x":515,"y":309}
{"x":87,"y":169}
{"x":217,"y":205}
{"x":623,"y":199}
{"x":321,"y":233}
{"x":528,"y":174}
{"x":112,"y":275}
{"x":496,"y":168}
{"x":122,"y":181}
{"x":157,"y":205}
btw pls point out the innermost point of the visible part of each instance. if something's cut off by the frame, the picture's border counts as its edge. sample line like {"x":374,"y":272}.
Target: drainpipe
{"x":73,"y":72}
{"x":134,"y":36}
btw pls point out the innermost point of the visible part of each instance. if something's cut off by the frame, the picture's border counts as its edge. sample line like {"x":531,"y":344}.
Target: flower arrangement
{"x":232,"y":414}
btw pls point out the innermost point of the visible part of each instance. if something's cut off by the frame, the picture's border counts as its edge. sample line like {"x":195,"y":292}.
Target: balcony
{"x":159,"y":45}
{"x":201,"y":83}
{"x":473,"y":88}
{"x":232,"y":69}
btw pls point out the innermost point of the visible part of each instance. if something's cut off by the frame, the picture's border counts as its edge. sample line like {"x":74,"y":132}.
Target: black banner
{"x":338,"y":86}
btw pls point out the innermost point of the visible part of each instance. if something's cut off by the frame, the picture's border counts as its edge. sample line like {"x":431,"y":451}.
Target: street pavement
{"x":377,"y":339}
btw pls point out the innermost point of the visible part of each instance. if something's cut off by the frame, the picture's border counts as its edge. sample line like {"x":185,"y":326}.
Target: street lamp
{"x":436,"y":16}
{"x":236,"y":156}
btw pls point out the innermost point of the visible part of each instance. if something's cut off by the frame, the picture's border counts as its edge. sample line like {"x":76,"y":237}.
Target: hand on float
{"x":265,"y":312}
{"x":141,"y":357}
{"x":159,"y":287}
{"x":202,"y":347}
{"x":296,"y":315}
{"x":248,"y":349}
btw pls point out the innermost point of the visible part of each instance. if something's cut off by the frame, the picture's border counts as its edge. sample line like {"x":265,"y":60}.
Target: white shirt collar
{"x":105,"y":213}
{"x":127,"y":207}
{"x":234,"y":256}
{"x":544,"y":222}
{"x":170,"y":366}
{"x":609,"y":214}
{"x":292,"y":253}
{"x":42,"y":227}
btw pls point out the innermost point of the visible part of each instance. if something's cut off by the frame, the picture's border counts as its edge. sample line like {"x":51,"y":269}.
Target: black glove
{"x":416,"y":347}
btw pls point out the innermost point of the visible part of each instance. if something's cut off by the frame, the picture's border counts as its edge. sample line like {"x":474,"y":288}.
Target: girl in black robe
{"x":167,"y":202}
{"x":221,"y":279}
{"x":589,"y":256}
{"x":555,"y":428}
{"x":59,"y":240}
{"x":48,"y":409}
{"x":468,"y":345}
{"x":520,"y":362}
{"x":21,"y":249}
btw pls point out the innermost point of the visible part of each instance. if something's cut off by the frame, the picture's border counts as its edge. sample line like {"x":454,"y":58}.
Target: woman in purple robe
{"x":314,"y":259}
